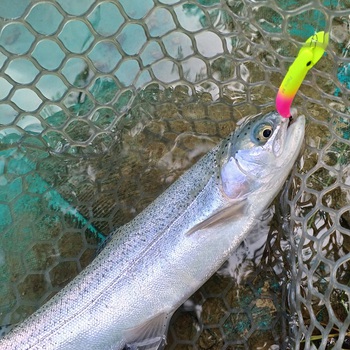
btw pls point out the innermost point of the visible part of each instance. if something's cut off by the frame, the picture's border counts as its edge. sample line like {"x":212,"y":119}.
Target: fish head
{"x":261,"y":152}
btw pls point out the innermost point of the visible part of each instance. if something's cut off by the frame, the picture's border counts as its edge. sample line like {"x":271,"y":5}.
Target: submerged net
{"x":103,"y":104}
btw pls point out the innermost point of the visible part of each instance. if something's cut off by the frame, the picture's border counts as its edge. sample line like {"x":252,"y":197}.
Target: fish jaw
{"x":295,"y":139}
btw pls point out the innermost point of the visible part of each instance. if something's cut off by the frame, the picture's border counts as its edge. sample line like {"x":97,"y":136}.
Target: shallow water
{"x":95,"y":145}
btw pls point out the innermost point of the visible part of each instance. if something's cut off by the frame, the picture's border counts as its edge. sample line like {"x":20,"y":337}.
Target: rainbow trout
{"x":150,"y":266}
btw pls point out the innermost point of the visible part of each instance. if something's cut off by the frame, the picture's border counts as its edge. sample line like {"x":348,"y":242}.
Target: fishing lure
{"x":308,"y":56}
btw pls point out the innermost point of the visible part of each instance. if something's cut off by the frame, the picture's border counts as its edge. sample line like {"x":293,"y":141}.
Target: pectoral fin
{"x":232,"y":212}
{"x":150,"y":335}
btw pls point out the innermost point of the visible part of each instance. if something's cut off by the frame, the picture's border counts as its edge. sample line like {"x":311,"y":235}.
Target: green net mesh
{"x":103,"y":104}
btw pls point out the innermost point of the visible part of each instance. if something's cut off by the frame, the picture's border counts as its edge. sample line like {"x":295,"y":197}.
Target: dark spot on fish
{"x":307,"y":64}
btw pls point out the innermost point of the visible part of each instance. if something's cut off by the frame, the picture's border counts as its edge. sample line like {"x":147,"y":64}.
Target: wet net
{"x":103,"y":104}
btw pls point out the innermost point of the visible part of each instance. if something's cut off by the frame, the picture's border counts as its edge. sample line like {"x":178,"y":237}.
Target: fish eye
{"x":266,"y":133}
{"x":263,"y":133}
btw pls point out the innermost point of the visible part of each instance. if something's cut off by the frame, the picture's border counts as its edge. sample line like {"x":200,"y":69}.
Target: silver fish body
{"x":151,"y":265}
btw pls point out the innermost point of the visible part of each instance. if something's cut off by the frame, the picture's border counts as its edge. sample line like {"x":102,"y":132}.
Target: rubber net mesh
{"x":103,"y":104}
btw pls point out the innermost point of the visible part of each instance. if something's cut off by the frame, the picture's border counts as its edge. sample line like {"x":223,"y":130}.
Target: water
{"x":95,"y":125}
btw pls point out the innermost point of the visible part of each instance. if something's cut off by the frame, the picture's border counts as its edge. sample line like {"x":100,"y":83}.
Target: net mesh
{"x":103,"y":104}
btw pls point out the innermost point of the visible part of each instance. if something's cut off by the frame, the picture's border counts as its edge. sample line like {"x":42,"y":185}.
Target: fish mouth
{"x":289,"y":138}
{"x":300,"y":120}
{"x":295,"y":133}
{"x":292,"y":120}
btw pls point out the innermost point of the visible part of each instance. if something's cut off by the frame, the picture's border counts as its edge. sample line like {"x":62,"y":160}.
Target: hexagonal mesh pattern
{"x":103,"y":104}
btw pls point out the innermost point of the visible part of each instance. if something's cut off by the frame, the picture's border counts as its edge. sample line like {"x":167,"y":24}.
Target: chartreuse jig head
{"x":308,"y":56}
